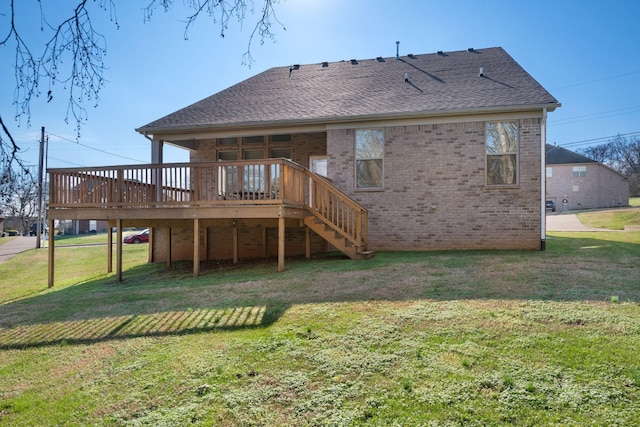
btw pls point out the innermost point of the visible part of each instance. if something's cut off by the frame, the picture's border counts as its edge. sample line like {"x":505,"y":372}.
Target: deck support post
{"x":281,"y":235}
{"x":110,"y":249}
{"x":51,"y":251}
{"x":307,"y":242}
{"x":168,"y":247}
{"x":119,"y":250}
{"x":235,"y":244}
{"x":265,"y":249}
{"x":205,"y":238}
{"x":150,"y":255}
{"x":196,"y":247}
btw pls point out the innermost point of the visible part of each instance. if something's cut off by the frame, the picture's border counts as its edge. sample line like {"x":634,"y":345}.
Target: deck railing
{"x":178,"y":185}
{"x":255,"y":182}
{"x":337,"y":210}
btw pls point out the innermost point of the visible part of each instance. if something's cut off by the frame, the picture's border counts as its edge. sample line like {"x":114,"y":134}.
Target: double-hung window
{"x":579,"y":171}
{"x":502,"y":153}
{"x":369,"y":158}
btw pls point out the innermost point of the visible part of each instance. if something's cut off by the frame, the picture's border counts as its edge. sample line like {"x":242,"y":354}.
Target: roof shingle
{"x":435,"y":84}
{"x":558,"y":156}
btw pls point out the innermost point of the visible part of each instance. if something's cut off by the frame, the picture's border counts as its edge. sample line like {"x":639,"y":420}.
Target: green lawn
{"x":614,"y":219}
{"x":417,"y":338}
{"x":86,"y":239}
{"x":6,"y":239}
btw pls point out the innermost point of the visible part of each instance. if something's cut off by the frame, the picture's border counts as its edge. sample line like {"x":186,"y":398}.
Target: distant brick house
{"x":84,"y":226}
{"x":420,"y":152}
{"x":578,"y":182}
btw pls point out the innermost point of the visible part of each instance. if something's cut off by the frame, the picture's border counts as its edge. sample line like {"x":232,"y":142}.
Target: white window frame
{"x":489,"y":155}
{"x":368,"y":159}
{"x":579,"y":171}
{"x":313,"y":159}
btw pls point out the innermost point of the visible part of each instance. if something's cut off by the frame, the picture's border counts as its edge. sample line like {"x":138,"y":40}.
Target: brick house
{"x":578,"y":182}
{"x":419,"y":152}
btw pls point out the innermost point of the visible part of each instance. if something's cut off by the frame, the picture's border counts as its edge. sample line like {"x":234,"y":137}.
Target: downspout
{"x":543,"y":180}
{"x":157,"y":158}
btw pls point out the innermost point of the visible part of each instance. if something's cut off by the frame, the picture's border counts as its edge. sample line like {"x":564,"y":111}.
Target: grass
{"x":86,"y":239}
{"x":6,"y":239}
{"x":440,"y":338}
{"x":615,"y":219}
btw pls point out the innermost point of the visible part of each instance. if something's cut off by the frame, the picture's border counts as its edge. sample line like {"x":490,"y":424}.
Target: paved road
{"x":15,"y":246}
{"x":569,"y":222}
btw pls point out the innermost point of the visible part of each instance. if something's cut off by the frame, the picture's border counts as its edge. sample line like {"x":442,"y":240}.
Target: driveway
{"x":15,"y":246}
{"x":568,"y":222}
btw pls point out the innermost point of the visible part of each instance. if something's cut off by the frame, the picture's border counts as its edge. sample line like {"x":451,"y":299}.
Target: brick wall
{"x":434,"y":194}
{"x":250,"y":242}
{"x":220,"y":242}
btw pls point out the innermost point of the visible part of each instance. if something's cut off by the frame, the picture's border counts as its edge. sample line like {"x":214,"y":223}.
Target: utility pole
{"x":40,"y":167}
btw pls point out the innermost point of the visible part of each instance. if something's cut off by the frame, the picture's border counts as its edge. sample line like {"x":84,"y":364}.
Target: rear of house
{"x":435,"y":151}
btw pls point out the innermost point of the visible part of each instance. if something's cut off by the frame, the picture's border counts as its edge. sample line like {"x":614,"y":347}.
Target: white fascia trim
{"x":465,"y":118}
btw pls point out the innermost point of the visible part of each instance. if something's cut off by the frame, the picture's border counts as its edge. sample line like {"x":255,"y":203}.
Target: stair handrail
{"x":337,"y":210}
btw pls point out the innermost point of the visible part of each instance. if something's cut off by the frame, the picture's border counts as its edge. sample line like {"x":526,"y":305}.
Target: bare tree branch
{"x":72,"y":59}
{"x":8,"y":158}
{"x":223,"y":13}
{"x":22,"y":203}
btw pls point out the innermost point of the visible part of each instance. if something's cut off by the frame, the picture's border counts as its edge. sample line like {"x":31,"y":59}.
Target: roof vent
{"x":293,"y":67}
{"x":412,"y":56}
{"x":325,"y":64}
{"x":354,"y":62}
{"x":471,"y":49}
{"x":406,"y":77}
{"x":481,"y":74}
{"x":440,"y":52}
{"x":380,"y":59}
{"x":397,"y":50}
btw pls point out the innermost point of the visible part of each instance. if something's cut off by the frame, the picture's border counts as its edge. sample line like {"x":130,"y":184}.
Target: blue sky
{"x":585,"y":53}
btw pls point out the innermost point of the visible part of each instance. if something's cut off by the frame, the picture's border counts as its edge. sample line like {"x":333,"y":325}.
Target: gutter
{"x":337,"y":120}
{"x":543,"y":181}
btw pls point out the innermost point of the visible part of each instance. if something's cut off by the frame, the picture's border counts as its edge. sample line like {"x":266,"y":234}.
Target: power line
{"x":95,"y":149}
{"x":596,"y":81}
{"x":66,"y":161}
{"x":604,"y":138}
{"x":600,"y":115}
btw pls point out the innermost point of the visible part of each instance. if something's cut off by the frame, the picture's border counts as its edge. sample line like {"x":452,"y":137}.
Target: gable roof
{"x":558,"y":156}
{"x":410,"y":86}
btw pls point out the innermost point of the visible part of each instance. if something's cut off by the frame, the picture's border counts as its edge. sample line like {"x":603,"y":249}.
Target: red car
{"x":141,"y":237}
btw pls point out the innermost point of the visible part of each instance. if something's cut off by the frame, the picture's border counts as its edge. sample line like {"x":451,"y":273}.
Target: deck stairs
{"x":337,"y":218}
{"x":336,"y":239}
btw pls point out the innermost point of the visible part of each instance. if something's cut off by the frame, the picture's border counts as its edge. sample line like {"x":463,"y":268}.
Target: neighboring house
{"x":84,"y":226}
{"x":420,"y":152}
{"x":578,"y":182}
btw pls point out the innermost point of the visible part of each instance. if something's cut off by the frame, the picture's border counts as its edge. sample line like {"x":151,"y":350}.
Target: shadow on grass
{"x":154,"y":301}
{"x":88,"y":331}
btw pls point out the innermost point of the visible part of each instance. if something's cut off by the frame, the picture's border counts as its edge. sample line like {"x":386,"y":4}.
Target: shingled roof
{"x":410,"y":86}
{"x":560,"y":156}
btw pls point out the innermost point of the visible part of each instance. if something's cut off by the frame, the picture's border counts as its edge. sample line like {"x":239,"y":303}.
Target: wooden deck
{"x":157,"y":194}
